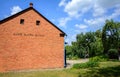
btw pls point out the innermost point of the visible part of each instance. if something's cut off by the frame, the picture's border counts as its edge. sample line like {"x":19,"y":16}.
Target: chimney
{"x":31,"y":4}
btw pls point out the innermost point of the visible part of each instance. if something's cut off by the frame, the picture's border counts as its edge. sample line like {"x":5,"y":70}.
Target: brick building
{"x":30,"y":41}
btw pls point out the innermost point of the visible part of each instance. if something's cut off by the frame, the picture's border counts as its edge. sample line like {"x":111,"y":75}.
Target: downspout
{"x":65,"y":63}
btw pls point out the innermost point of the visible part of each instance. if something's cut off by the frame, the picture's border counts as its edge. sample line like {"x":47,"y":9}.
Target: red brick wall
{"x":29,"y":46}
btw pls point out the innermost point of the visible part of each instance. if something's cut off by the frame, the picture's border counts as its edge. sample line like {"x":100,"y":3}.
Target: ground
{"x":106,"y":69}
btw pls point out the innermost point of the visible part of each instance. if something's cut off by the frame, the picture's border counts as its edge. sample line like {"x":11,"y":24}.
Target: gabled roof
{"x":25,"y":10}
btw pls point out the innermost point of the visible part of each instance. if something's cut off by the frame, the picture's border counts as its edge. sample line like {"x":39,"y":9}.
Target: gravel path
{"x":71,"y":62}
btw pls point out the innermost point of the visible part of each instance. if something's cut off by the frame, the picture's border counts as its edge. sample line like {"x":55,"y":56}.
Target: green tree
{"x":98,"y":43}
{"x":85,"y":44}
{"x":111,"y":35}
{"x":81,"y":45}
{"x":88,"y":44}
{"x":68,"y":51}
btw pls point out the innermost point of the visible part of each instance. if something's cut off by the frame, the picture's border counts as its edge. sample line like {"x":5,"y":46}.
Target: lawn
{"x":105,"y":69}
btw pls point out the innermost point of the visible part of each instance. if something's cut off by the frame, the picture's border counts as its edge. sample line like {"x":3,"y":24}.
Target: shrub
{"x":86,"y":65}
{"x":74,"y":58}
{"x":92,"y":64}
{"x":99,"y":58}
{"x":113,"y":54}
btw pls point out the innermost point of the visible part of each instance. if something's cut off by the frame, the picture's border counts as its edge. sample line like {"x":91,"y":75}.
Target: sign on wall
{"x":28,"y":34}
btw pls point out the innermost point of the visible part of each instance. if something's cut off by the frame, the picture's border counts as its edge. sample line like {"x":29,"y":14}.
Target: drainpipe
{"x":65,"y":62}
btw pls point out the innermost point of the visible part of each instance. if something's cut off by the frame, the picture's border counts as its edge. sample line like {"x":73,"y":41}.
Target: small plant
{"x":99,"y":58}
{"x":86,"y":65}
{"x":75,"y":58}
{"x":113,"y":54}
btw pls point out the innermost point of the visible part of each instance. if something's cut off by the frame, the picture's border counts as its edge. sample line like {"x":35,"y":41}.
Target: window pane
{"x":37,"y":22}
{"x":22,"y":21}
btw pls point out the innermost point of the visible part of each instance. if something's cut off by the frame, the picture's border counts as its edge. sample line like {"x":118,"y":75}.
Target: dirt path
{"x":71,"y":62}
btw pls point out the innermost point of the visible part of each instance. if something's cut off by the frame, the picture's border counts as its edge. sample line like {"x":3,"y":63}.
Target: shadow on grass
{"x":102,"y":72}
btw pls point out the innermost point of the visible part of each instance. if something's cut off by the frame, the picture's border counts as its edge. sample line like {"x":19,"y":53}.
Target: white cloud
{"x":15,"y":9}
{"x":100,"y":7}
{"x":70,"y":38}
{"x":75,"y":8}
{"x":107,"y":3}
{"x":81,"y":26}
{"x":62,"y":3}
{"x":115,"y":13}
{"x":53,"y":20}
{"x":98,"y":21}
{"x":80,"y":31}
{"x":95,"y":21}
{"x":98,"y":11}
{"x":63,"y":21}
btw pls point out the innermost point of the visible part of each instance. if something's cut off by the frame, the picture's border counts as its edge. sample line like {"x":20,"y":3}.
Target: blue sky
{"x":72,"y":16}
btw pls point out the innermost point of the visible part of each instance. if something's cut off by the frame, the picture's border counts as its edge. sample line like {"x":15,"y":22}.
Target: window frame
{"x":37,"y":22}
{"x":22,"y":21}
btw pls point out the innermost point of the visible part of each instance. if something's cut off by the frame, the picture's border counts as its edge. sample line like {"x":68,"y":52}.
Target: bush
{"x":86,"y":65}
{"x":99,"y":58}
{"x":113,"y":54}
{"x":72,"y":58}
{"x":92,"y":64}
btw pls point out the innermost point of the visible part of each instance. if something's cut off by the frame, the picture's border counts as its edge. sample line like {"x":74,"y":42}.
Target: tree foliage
{"x":86,"y":45}
{"x":91,"y":44}
{"x":111,"y":35}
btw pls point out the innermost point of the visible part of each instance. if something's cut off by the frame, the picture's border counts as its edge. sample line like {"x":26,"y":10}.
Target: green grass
{"x":42,"y":73}
{"x":89,"y":64}
{"x":105,"y":69}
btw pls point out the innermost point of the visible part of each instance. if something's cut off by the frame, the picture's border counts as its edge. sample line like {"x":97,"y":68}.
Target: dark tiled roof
{"x":21,"y":12}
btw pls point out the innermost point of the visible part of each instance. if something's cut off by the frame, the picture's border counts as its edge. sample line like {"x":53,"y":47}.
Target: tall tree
{"x":85,"y":43}
{"x":110,"y":35}
{"x":98,"y":43}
